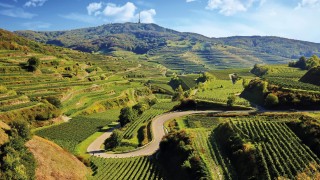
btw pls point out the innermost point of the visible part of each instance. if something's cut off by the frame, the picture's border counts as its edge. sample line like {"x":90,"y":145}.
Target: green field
{"x":127,"y":168}
{"x":220,"y":90}
{"x":68,"y":135}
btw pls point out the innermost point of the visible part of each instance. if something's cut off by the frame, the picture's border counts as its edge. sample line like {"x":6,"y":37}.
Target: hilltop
{"x":189,"y":52}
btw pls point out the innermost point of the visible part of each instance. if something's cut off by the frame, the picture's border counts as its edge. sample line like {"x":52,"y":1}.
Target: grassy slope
{"x":53,"y":162}
{"x":3,"y":136}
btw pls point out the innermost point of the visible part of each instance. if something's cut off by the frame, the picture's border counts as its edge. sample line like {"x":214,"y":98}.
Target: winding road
{"x":157,"y":128}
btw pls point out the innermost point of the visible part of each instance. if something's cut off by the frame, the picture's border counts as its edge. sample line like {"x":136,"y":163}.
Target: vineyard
{"x":292,"y":84}
{"x":188,"y":82}
{"x":148,"y":115}
{"x":281,"y":151}
{"x":69,"y":135}
{"x":217,"y":164}
{"x":219,"y":90}
{"x":126,"y":168}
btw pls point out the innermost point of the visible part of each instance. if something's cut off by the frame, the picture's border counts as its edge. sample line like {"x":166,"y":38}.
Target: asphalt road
{"x":157,"y":130}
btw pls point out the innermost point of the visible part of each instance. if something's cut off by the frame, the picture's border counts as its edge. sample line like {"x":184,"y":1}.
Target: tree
{"x":21,"y":128}
{"x":140,"y":107}
{"x":114,"y":140}
{"x":33,"y":63}
{"x":179,"y":93}
{"x":3,"y":89}
{"x":231,"y":100}
{"x":245,"y":83}
{"x":127,"y":114}
{"x":54,"y":101}
{"x":271,"y":100}
{"x":301,"y":63}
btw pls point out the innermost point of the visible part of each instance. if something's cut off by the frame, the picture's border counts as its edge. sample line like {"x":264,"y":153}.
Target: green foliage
{"x":21,"y":128}
{"x":301,"y":63}
{"x":271,"y":100}
{"x":127,"y":115}
{"x":179,"y":94}
{"x":54,"y":101}
{"x":304,"y":63}
{"x":242,"y":152}
{"x":114,"y":140}
{"x":206,"y":76}
{"x":279,"y":152}
{"x":125,"y":168}
{"x":307,"y":129}
{"x":259,"y":70}
{"x":3,"y":89}
{"x":141,"y":107}
{"x":178,"y":158}
{"x":69,"y":134}
{"x":178,"y":51}
{"x":16,"y":162}
{"x":231,"y":100}
{"x":33,"y":63}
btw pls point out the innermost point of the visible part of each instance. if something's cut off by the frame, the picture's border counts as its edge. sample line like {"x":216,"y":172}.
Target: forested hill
{"x":289,"y":48}
{"x":172,"y":48}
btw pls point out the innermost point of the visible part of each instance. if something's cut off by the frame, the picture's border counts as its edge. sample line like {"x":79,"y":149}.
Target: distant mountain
{"x":178,"y":50}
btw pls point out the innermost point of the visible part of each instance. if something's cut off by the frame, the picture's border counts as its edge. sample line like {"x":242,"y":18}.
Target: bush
{"x":114,"y":140}
{"x":54,"y":101}
{"x":178,"y":157}
{"x":231,"y":100}
{"x":21,"y":128}
{"x":3,"y":89}
{"x":33,"y":63}
{"x":271,"y":100}
{"x":127,"y":114}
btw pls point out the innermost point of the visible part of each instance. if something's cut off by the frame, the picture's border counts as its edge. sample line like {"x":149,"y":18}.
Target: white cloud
{"x":308,"y":3}
{"x":120,"y":13}
{"x":190,"y":1}
{"x":6,"y":5}
{"x":147,"y":16}
{"x":231,"y":7}
{"x":36,"y":25}
{"x":81,"y":18}
{"x":93,"y":8}
{"x":17,"y":13}
{"x":34,"y":3}
{"x":116,"y":13}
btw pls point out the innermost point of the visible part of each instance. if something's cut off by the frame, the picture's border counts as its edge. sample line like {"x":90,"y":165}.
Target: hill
{"x":312,"y":76}
{"x":55,"y":163}
{"x":188,"y":52}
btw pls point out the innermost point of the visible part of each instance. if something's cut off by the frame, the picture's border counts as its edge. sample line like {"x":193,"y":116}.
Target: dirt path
{"x":157,"y":130}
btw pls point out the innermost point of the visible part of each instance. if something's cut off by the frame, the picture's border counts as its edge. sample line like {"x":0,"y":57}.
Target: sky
{"x":295,"y":19}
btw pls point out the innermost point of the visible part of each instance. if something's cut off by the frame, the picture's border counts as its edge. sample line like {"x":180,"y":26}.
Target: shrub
{"x":114,"y":140}
{"x":33,"y":63}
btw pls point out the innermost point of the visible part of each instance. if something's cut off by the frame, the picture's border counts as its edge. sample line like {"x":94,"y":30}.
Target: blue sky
{"x":296,"y":19}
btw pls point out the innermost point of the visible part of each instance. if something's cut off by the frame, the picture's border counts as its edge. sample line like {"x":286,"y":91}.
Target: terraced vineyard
{"x":148,"y":115}
{"x":281,"y":151}
{"x":208,"y":148}
{"x":219,"y":90}
{"x":126,"y":168}
{"x":292,"y":84}
{"x":69,"y":134}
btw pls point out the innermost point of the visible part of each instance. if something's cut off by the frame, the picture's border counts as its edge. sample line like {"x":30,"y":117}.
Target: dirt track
{"x":153,"y":146}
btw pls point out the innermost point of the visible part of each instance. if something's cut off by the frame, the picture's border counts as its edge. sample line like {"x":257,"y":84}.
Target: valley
{"x":139,"y":101}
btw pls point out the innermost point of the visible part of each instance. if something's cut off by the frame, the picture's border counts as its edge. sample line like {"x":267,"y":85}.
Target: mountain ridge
{"x":169,"y":47}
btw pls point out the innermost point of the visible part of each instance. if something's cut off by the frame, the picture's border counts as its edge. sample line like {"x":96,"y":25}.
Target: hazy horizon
{"x":212,"y":18}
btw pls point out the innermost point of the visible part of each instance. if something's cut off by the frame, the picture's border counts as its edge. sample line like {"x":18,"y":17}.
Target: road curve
{"x":157,"y":127}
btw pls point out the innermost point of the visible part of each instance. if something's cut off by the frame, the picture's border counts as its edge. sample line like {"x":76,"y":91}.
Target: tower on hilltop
{"x":139,"y":19}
